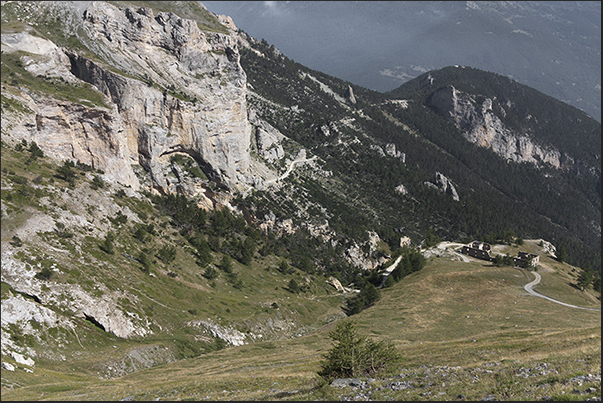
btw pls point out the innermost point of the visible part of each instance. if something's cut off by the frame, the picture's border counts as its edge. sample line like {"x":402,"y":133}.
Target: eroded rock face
{"x":268,"y":139}
{"x":481,"y":126}
{"x":357,"y":256}
{"x":443,"y":184}
{"x":171,"y":88}
{"x":226,"y":333}
{"x":101,"y":310}
{"x":175,"y":54}
{"x":446,"y":186}
{"x":66,"y":130}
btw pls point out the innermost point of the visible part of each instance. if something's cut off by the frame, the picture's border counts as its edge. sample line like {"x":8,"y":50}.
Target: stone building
{"x":526,"y":260}
{"x":480,"y":250}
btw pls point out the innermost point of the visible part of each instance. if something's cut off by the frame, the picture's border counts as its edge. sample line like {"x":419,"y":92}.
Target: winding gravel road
{"x":528,"y":287}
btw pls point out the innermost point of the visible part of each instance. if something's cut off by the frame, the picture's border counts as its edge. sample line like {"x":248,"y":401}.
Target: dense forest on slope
{"x":496,"y":195}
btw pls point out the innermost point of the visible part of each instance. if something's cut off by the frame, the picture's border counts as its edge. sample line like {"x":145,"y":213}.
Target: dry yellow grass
{"x":450,"y":313}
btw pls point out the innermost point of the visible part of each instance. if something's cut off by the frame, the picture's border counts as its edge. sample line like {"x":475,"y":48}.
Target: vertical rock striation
{"x":170,"y":86}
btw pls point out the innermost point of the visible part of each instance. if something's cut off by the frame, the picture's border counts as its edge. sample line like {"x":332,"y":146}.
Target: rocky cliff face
{"x":163,"y":87}
{"x":480,"y":125}
{"x":170,"y":87}
{"x":443,"y":184}
{"x":103,"y":310}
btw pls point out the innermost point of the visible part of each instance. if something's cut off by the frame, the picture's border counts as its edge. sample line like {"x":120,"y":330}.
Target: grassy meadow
{"x":470,"y":316}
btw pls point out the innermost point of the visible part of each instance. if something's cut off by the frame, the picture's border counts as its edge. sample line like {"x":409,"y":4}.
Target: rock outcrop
{"x":401,"y":189}
{"x":390,"y":149}
{"x":102,"y":311}
{"x":226,"y":333}
{"x":351,"y":96}
{"x":480,"y":125}
{"x":365,"y":255}
{"x":443,"y":184}
{"x":268,"y":139}
{"x":190,"y":98}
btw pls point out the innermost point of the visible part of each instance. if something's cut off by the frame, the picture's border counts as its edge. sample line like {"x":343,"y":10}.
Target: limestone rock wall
{"x":71,"y":297}
{"x":481,"y":126}
{"x":170,"y":88}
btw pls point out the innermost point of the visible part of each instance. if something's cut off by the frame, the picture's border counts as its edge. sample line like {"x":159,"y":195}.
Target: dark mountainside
{"x":496,"y":195}
{"x":187,"y":213}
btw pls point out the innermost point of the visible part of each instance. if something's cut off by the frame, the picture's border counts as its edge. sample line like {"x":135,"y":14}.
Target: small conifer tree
{"x":354,"y":356}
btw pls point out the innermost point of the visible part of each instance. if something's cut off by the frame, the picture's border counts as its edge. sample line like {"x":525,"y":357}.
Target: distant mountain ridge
{"x":406,"y":119}
{"x":553,"y":46}
{"x":514,"y":108}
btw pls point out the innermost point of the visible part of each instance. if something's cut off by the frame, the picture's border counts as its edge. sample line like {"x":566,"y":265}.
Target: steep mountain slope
{"x":137,"y":59}
{"x":529,"y":146}
{"x":389,"y":146}
{"x":98,"y":136}
{"x":171,"y":186}
{"x":487,"y":340}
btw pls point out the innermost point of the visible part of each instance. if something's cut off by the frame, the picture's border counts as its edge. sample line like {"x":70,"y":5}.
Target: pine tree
{"x":293,"y":286}
{"x":353,"y":356}
{"x":210,"y":273}
{"x":226,"y":264}
{"x":585,"y":278}
{"x":67,"y":172}
{"x":562,"y":254}
{"x":107,"y":245}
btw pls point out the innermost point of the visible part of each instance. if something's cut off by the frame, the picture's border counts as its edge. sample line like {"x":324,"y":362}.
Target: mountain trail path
{"x":529,"y":288}
{"x":284,"y":175}
{"x":290,"y":169}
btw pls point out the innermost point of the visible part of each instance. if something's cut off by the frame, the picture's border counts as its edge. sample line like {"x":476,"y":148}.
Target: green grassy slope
{"x":424,"y":315}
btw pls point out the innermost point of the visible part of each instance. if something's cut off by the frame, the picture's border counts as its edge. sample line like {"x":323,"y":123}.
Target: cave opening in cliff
{"x":205,"y":167}
{"x":95,"y":322}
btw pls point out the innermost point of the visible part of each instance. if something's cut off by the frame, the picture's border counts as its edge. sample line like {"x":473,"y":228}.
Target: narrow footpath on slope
{"x":528,"y":287}
{"x":289,"y":170}
{"x":283,"y":176}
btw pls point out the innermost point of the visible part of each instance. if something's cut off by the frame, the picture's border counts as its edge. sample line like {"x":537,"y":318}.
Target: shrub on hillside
{"x":107,"y":245}
{"x":97,"y":182}
{"x":44,"y":274}
{"x":353,"y":356}
{"x":293,"y":286}
{"x":16,"y":241}
{"x":144,"y":260}
{"x":120,"y":218}
{"x":167,"y":254}
{"x":36,"y":152}
{"x":210,"y":273}
{"x":499,"y":260}
{"x":226,"y":264}
{"x":67,"y":172}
